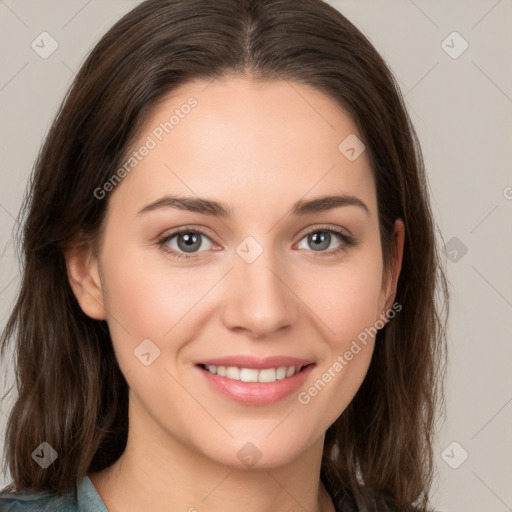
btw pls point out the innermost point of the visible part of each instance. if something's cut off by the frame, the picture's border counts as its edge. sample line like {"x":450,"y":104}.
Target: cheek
{"x":346,"y":360}
{"x":147,"y":296}
{"x":346,"y":298}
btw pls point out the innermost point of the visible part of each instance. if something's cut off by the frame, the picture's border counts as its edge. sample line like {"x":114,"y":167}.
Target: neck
{"x":157,"y":472}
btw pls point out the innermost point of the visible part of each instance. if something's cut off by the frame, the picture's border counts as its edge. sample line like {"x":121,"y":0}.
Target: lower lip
{"x":256,"y":393}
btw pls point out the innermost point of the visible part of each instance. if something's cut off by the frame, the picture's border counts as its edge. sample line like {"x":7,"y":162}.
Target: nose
{"x":261,"y":300}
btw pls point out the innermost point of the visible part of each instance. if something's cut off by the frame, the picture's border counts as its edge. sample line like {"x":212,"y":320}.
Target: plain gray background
{"x":461,"y":105}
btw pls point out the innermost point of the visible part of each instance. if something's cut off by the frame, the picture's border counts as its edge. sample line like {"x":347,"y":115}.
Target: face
{"x":267,"y":277}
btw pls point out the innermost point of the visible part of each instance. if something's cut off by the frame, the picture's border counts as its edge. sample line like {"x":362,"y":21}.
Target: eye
{"x":322,"y":240}
{"x":184,"y":244}
{"x":184,"y":241}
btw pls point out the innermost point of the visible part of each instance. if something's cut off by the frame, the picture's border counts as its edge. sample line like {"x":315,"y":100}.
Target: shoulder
{"x":42,"y":502}
{"x":81,"y":498}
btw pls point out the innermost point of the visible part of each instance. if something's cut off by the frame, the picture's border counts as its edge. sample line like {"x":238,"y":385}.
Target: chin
{"x":259,"y":453}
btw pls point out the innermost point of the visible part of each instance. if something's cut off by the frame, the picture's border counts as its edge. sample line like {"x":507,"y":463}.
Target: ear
{"x":84,"y":279}
{"x":392,"y":273}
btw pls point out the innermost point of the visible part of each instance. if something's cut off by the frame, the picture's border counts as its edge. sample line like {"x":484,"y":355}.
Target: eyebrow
{"x":216,"y":209}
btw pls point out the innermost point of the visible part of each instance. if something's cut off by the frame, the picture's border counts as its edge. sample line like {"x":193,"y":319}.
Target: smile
{"x":253,"y":374}
{"x":254,"y":386}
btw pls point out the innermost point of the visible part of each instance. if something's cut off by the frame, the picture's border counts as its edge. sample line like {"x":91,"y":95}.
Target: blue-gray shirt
{"x":82,"y":498}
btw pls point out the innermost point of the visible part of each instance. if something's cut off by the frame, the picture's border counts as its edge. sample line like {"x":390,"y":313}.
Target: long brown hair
{"x":71,"y":392}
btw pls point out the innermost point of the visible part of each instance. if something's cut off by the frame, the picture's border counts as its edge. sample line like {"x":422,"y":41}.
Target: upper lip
{"x":246,"y":361}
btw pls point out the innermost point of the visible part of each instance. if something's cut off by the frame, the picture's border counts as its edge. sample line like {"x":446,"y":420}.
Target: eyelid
{"x":327,"y":227}
{"x":162,"y":239}
{"x":184,"y":229}
{"x":187,"y":229}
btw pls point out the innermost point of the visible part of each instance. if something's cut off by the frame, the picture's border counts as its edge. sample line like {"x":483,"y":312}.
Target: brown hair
{"x":71,"y":392}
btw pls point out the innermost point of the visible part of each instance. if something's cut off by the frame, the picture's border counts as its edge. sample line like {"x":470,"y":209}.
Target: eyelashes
{"x":163,"y":242}
{"x":345,"y":241}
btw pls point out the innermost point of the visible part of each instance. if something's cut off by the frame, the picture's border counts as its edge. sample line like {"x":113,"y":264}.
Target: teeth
{"x":267,"y":375}
{"x":249,"y":375}
{"x":281,"y":372}
{"x":232,"y":372}
{"x":252,"y":374}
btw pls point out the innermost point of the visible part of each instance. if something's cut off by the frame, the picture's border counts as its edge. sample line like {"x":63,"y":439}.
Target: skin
{"x":258,"y":147}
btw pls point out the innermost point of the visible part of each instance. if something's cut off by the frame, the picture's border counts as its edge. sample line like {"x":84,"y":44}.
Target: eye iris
{"x":321,"y":237}
{"x":191,"y":241}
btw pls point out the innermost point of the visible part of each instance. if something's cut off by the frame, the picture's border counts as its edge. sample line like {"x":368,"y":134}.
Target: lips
{"x":236,"y":380}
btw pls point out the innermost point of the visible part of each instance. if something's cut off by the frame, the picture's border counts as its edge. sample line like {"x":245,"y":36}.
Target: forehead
{"x":265,"y":143}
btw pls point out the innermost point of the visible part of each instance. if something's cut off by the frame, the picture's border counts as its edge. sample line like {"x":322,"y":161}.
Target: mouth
{"x":266,"y":375}
{"x":256,"y":385}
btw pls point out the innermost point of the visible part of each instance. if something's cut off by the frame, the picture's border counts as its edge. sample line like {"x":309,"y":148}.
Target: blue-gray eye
{"x":187,"y":241}
{"x":321,"y":239}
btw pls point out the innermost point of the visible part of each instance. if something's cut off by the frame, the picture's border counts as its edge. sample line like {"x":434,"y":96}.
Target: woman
{"x":229,"y":276}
